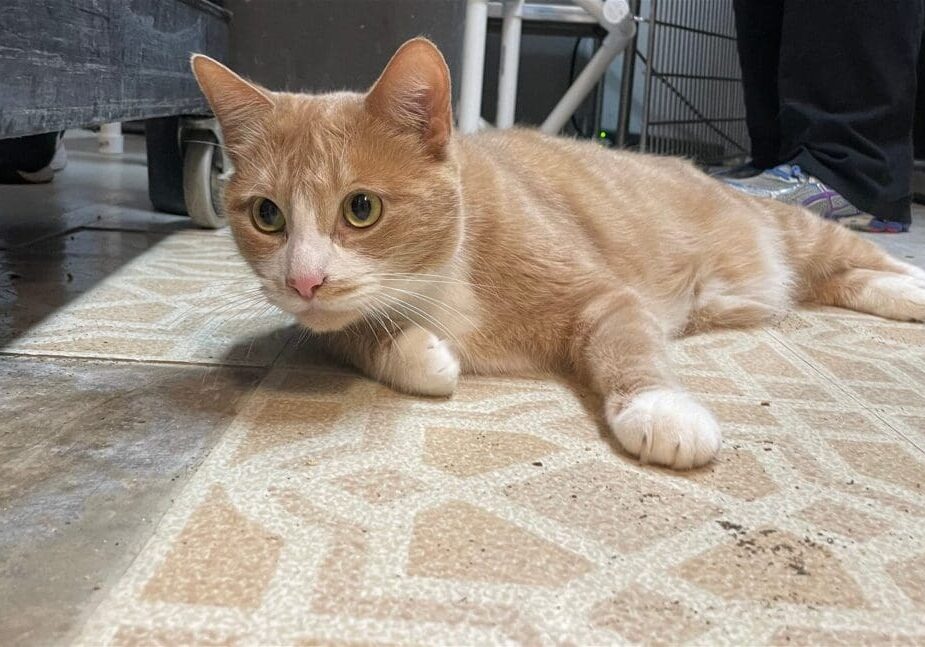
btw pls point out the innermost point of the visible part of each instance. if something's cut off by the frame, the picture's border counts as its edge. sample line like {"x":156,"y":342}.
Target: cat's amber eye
{"x":362,"y":209}
{"x":267,"y":217}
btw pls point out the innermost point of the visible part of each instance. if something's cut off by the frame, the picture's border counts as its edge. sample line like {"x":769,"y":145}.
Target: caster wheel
{"x":203,"y":179}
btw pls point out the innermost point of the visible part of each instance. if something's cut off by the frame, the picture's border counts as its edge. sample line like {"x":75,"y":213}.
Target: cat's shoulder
{"x":531,"y":143}
{"x":522,"y":141}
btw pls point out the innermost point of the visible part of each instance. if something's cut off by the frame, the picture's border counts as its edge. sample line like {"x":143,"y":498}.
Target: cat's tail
{"x":834,"y":266}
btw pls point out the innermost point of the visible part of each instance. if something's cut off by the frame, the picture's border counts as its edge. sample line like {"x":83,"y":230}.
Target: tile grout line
{"x":325,"y":369}
{"x":72,"y":213}
{"x":24,"y":247}
{"x":842,"y":389}
{"x":129,"y":360}
{"x":78,"y":630}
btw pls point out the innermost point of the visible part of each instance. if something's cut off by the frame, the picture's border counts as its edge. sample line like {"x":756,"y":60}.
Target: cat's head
{"x":338,"y":200}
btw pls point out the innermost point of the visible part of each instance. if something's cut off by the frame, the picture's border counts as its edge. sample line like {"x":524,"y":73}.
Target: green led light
{"x":603,"y":135}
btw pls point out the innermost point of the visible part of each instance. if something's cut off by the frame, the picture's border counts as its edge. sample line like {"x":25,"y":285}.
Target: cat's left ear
{"x":414,"y":93}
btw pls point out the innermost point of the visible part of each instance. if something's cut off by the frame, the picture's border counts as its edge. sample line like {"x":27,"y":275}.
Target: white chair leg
{"x":470,"y":94}
{"x":510,"y":63}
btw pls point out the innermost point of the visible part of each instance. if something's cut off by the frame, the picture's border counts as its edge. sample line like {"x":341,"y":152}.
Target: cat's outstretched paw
{"x":897,"y":296}
{"x":421,"y":363}
{"x":666,"y":427}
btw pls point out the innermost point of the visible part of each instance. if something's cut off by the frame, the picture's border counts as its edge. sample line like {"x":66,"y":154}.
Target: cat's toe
{"x":666,"y":427}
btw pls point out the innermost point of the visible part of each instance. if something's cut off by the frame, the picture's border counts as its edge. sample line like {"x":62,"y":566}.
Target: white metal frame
{"x":613,"y":15}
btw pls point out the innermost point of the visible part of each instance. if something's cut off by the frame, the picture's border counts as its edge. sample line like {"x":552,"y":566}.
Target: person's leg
{"x":758,"y":28}
{"x":847,"y":80}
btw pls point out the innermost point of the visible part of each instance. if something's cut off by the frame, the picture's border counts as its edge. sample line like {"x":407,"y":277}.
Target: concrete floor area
{"x":176,"y":468}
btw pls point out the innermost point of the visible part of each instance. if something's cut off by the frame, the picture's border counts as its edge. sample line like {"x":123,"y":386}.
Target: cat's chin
{"x":327,"y":320}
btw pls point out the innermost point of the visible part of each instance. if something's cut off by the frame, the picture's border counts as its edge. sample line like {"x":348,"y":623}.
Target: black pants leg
{"x":758,"y":25}
{"x":846,"y":83}
{"x":918,"y":127}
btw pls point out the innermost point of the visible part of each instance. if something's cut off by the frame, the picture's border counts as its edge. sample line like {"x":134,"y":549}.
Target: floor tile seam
{"x":129,"y":360}
{"x":852,"y":397}
{"x":24,"y":246}
{"x":178,"y":500}
{"x":71,"y":213}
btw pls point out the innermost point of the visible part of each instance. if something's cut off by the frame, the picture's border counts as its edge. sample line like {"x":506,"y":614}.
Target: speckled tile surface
{"x":260,"y":495}
{"x":336,"y":511}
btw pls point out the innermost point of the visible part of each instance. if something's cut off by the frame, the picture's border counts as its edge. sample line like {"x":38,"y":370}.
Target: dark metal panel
{"x":78,"y":62}
{"x":323,"y":45}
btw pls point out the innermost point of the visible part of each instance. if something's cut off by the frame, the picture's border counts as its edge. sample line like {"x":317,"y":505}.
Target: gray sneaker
{"x":788,"y":183}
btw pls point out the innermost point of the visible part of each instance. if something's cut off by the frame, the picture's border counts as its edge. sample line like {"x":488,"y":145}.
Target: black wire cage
{"x":693,"y":102}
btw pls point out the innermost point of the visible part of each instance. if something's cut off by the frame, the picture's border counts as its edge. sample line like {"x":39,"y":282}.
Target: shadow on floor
{"x":59,"y":240}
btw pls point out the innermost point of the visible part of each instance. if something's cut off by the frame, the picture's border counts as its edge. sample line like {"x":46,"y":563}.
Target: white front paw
{"x":666,"y":427}
{"x":421,"y":363}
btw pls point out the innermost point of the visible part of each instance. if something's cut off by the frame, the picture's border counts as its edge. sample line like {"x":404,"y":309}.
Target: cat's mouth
{"x":321,"y":314}
{"x":339,"y":304}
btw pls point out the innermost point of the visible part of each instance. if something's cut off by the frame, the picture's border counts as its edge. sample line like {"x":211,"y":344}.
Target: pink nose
{"x":306,"y":284}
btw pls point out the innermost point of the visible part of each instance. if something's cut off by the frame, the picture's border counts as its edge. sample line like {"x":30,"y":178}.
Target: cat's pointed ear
{"x":414,"y":93}
{"x":235,"y":101}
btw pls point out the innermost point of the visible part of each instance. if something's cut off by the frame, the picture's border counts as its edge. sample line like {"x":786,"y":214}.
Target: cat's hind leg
{"x":839,"y":268}
{"x":619,"y":346}
{"x":730,"y":311}
{"x":836,"y":267}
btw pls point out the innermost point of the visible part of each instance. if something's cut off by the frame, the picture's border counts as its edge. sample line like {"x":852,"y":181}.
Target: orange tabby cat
{"x":418,"y":253}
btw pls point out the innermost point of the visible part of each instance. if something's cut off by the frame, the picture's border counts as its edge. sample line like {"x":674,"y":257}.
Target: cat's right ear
{"x":413,"y":93}
{"x":235,"y":101}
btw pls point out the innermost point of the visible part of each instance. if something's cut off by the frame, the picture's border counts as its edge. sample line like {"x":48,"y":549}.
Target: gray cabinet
{"x":70,"y":63}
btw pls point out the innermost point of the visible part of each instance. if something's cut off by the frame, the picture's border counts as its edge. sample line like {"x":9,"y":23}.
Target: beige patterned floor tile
{"x":909,"y":574}
{"x":459,"y":541}
{"x":465,"y":453}
{"x":877,"y":363}
{"x":284,"y":420}
{"x":128,"y":636}
{"x":738,"y":473}
{"x":810,"y":637}
{"x":380,"y":486}
{"x":912,"y":427}
{"x":636,"y":611}
{"x":625,"y":510}
{"x":506,"y":515}
{"x":220,"y":559}
{"x":899,"y":464}
{"x":850,"y":522}
{"x":346,"y":562}
{"x":773,"y":566}
{"x":851,"y":420}
{"x":765,"y":360}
